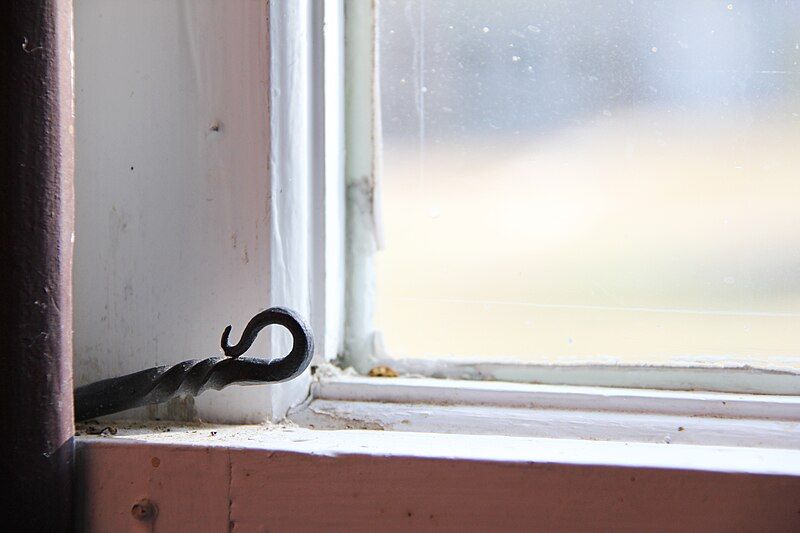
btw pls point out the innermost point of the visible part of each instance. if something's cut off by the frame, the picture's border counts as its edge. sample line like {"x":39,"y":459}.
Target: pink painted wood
{"x":219,"y":489}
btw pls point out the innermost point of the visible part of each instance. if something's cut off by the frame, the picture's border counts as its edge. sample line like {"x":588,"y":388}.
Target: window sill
{"x":454,"y":447}
{"x":511,"y":422}
{"x":256,"y":478}
{"x":448,"y":476}
{"x":425,"y":405}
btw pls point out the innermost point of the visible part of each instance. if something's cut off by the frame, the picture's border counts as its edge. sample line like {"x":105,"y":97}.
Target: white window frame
{"x":306,"y":165}
{"x":454,"y":423}
{"x":363,"y":345}
{"x":742,"y":406}
{"x":306,"y":255}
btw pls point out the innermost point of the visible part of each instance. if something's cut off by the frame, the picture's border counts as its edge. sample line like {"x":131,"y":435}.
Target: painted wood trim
{"x":362,"y":169}
{"x":601,"y":399}
{"x":272,"y":486}
{"x":557,"y":424}
{"x":329,"y":181}
{"x":294,"y":152}
{"x":712,"y":377}
{"x":307,"y":176}
{"x":557,"y":412}
{"x":510,"y":450}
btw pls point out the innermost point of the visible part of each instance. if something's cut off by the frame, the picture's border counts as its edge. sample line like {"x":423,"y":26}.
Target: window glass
{"x":578,"y":181}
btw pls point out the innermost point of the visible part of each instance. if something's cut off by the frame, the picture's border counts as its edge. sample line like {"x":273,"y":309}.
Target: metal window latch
{"x":190,"y":378}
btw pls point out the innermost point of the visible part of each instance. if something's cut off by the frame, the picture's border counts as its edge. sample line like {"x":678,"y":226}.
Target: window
{"x":202,"y":130}
{"x":583,"y":185}
{"x":199,"y":198}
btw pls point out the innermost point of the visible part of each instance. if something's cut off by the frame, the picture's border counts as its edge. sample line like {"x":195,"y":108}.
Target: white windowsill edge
{"x":462,"y":447}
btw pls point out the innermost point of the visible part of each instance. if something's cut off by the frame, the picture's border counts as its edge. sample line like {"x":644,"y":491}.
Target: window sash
{"x":363,"y":348}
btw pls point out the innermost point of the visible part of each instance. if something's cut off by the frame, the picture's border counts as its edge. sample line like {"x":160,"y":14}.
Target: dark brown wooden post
{"x":36,"y":224}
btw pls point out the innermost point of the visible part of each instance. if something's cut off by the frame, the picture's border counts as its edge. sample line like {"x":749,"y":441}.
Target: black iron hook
{"x":275,"y":315}
{"x":190,"y":378}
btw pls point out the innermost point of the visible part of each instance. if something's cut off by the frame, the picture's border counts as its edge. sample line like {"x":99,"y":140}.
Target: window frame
{"x":318,"y":78}
{"x":232,"y":461}
{"x":363,"y":347}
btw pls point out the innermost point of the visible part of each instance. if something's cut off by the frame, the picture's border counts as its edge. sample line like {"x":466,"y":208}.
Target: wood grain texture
{"x":214,"y":489}
{"x":188,"y":485}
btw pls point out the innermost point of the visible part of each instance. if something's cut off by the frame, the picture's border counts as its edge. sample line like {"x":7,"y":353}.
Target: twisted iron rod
{"x":190,"y":378}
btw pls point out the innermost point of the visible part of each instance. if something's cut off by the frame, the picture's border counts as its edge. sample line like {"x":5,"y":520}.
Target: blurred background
{"x":580,"y":181}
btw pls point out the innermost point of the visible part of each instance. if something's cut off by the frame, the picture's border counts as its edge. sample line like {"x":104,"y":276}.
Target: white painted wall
{"x":172,"y":188}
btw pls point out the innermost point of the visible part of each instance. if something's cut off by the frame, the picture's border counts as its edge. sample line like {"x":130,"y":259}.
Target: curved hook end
{"x":224,"y":344}
{"x":302,"y":341}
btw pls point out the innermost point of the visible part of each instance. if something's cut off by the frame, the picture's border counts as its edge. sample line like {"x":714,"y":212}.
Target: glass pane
{"x":570,"y":181}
